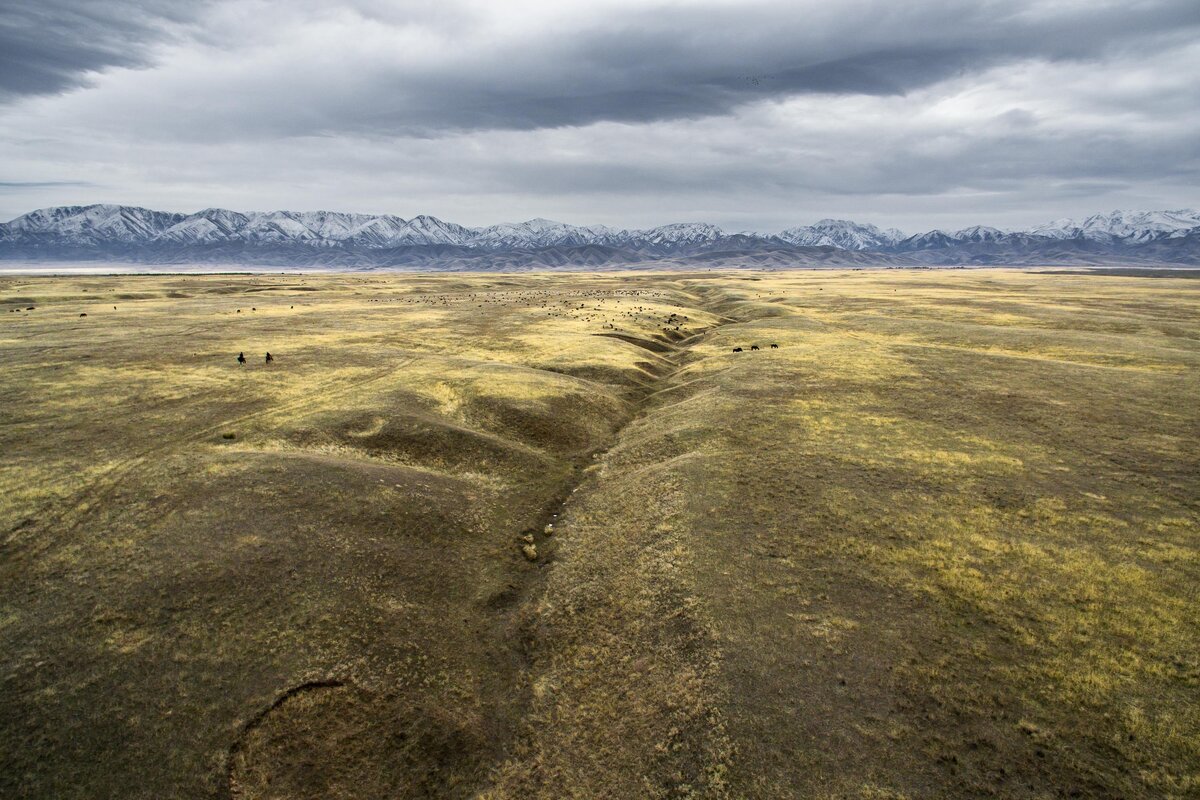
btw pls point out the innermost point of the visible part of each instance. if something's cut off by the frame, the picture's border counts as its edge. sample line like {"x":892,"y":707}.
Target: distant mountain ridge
{"x":215,"y":235}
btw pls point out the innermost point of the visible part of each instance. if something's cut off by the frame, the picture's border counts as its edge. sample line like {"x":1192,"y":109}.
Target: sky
{"x":749,"y":115}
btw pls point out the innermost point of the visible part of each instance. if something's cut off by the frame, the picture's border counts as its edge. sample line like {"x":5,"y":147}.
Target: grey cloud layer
{"x":745,"y":114}
{"x":376,"y":72}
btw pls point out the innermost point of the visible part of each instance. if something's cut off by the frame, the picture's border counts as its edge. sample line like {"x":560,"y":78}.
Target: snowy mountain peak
{"x":543,"y":224}
{"x":101,"y":222}
{"x":841,"y":233}
{"x":679,"y":233}
{"x":1131,"y":226}
{"x":978,"y":233}
{"x":928,"y":240}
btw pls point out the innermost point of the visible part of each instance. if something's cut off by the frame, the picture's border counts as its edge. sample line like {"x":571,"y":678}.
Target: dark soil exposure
{"x":519,"y":537}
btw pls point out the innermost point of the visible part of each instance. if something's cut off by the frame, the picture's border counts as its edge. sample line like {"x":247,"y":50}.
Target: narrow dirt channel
{"x":610,"y":603}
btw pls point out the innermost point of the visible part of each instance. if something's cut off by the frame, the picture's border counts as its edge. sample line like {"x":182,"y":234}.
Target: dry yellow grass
{"x":942,"y":542}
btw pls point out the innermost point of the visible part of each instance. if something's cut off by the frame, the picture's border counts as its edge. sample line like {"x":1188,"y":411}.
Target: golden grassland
{"x":547,"y":535}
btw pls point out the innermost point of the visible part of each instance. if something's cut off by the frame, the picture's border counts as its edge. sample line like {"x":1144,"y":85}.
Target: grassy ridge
{"x":942,"y":542}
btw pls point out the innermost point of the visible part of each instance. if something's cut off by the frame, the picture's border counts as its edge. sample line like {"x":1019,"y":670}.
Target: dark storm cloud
{"x":686,"y":62}
{"x":50,"y":45}
{"x":375,"y":72}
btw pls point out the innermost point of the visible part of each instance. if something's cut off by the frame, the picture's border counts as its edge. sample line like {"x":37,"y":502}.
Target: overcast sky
{"x":750,"y":115}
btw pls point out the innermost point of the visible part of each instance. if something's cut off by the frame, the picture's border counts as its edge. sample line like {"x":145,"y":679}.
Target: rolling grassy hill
{"x":548,"y":535}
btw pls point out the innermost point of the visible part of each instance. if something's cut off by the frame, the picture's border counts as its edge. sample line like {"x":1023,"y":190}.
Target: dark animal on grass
{"x":242,"y":358}
{"x":774,"y":347}
{"x":753,"y":347}
{"x":737,"y":349}
{"x":83,"y":315}
{"x":269,"y":358}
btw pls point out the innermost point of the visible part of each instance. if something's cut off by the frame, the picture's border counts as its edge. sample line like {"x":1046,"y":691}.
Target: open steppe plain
{"x":547,"y":536}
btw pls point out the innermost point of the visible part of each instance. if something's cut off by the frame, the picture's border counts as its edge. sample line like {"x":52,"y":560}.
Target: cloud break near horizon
{"x":750,"y":115}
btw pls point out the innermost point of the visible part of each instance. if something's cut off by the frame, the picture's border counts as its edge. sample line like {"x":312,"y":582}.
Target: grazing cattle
{"x":83,"y":315}
{"x":774,"y":346}
{"x":269,"y":358}
{"x":753,"y":347}
{"x":737,"y":349}
{"x":242,"y":358}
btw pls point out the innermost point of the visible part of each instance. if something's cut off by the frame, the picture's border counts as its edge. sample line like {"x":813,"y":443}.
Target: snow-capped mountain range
{"x":99,"y":231}
{"x":111,"y":223}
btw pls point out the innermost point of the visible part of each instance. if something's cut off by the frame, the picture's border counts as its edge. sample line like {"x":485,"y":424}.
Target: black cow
{"x":242,"y":358}
{"x":737,"y":349}
{"x":774,"y":347}
{"x":269,"y":358}
{"x":753,"y":347}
